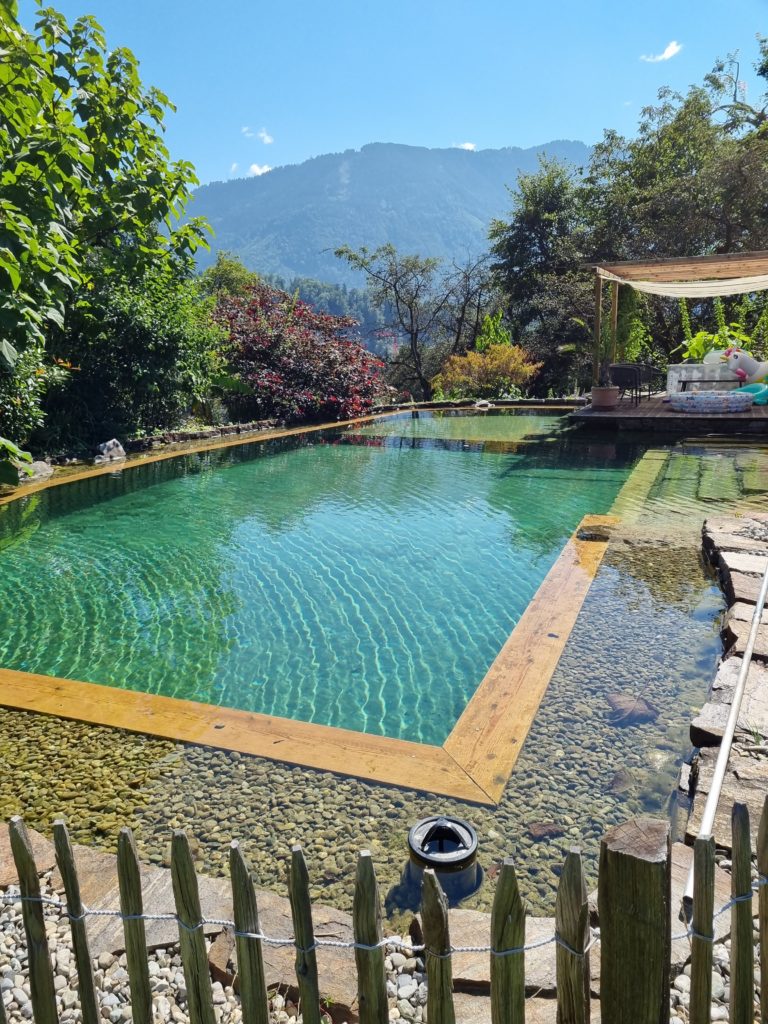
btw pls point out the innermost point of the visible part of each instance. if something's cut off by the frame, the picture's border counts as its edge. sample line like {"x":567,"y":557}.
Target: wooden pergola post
{"x":596,"y":340}
{"x":614,"y":318}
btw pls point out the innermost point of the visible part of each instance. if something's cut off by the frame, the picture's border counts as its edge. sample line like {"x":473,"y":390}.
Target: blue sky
{"x":260,"y":84}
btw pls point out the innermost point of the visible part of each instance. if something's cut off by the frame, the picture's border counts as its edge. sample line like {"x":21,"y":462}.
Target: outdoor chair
{"x":632,"y":378}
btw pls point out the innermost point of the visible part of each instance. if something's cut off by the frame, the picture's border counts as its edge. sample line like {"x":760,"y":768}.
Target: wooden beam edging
{"x":473,"y":765}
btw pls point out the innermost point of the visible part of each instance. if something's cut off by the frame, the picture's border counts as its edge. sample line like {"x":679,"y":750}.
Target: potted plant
{"x":605,"y":395}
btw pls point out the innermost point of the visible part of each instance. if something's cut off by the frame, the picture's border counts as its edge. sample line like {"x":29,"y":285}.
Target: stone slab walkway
{"x":738,"y":547}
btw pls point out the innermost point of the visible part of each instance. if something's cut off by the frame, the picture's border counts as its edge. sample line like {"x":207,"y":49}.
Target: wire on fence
{"x":401,"y":944}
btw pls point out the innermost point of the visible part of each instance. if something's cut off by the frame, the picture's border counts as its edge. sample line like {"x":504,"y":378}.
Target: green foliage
{"x":227,"y":276}
{"x":21,"y":393}
{"x":142,"y":357}
{"x":85,"y":179}
{"x":492,"y":332}
{"x":12,"y":462}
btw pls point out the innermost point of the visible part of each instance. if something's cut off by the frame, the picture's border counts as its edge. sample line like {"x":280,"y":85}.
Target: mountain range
{"x":433,"y":202}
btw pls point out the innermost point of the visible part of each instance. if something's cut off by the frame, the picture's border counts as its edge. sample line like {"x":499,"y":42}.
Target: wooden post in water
{"x":304,"y":935}
{"x":89,"y":1004}
{"x":762,"y":871}
{"x":40,"y":968}
{"x":366,"y":923}
{"x":742,"y":992}
{"x":634,"y":897}
{"x":507,"y":932}
{"x":132,"y":908}
{"x":437,"y":952}
{"x":250,"y":957}
{"x":703,"y":929}
{"x":191,"y":938}
{"x":572,"y":927}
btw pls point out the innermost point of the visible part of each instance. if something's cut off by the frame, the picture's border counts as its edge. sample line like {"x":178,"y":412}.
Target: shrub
{"x":499,"y":371}
{"x":297,"y":363}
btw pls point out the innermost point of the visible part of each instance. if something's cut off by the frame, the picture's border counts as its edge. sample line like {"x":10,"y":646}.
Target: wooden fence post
{"x":762,"y":902}
{"x":89,"y":1004}
{"x":437,"y":952}
{"x":40,"y":969}
{"x":572,"y":927}
{"x":304,"y":935}
{"x":507,"y":932}
{"x":702,"y":925}
{"x":191,"y":938}
{"x":367,"y":930}
{"x":132,"y":907}
{"x":634,"y":897}
{"x":742,"y":991}
{"x":250,"y":958}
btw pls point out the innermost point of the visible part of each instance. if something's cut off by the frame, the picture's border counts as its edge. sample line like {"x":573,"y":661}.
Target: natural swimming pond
{"x":363,"y":578}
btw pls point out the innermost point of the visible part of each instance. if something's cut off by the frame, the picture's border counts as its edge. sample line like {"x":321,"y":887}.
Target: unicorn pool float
{"x":751,"y":373}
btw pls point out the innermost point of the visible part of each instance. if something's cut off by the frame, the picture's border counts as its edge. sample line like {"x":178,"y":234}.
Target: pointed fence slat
{"x":250,"y":956}
{"x":741,"y":918}
{"x":634,"y":901}
{"x":437,"y":940}
{"x":702,"y":924}
{"x":132,"y":907}
{"x":572,"y":927}
{"x":762,"y":870}
{"x":40,"y":969}
{"x":191,"y":938}
{"x":507,"y":932}
{"x":65,"y":858}
{"x":373,"y":1005}
{"x":304,"y":936}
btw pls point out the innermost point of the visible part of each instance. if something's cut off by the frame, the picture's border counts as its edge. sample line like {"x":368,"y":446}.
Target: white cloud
{"x":672,"y":49}
{"x":257,"y":169}
{"x":265,"y":137}
{"x":471,"y":146}
{"x":233,"y":168}
{"x":247,"y":132}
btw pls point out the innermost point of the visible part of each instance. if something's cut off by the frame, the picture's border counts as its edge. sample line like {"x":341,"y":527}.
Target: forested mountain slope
{"x":435,"y":202}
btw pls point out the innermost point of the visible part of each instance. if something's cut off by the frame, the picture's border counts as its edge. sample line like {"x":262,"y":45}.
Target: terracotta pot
{"x":605,"y":397}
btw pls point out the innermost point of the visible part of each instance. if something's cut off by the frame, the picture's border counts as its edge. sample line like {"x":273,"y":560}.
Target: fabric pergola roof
{"x":697,"y":277}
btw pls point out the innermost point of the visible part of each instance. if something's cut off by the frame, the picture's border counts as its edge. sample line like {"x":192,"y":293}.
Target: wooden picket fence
{"x":634,"y":941}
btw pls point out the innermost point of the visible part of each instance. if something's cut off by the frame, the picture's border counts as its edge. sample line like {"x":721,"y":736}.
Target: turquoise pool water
{"x":363,"y":578}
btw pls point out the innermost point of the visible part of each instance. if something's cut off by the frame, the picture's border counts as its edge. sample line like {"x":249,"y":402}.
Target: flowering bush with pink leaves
{"x":296,"y":363}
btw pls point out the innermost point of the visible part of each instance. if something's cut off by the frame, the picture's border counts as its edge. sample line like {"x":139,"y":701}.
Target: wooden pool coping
{"x":473,"y":765}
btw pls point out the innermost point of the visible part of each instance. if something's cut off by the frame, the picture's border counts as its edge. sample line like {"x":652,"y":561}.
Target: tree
{"x":85,"y":177}
{"x":227,"y":276}
{"x":434,"y":313}
{"x":297,"y":363}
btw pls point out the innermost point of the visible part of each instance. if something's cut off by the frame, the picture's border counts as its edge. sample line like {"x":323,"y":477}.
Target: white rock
{"x":682,"y":983}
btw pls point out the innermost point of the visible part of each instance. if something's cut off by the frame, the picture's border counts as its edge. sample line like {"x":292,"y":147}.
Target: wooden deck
{"x":654,"y":414}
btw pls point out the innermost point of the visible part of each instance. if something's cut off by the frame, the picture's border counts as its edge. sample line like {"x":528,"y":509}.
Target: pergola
{"x":680,"y":277}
